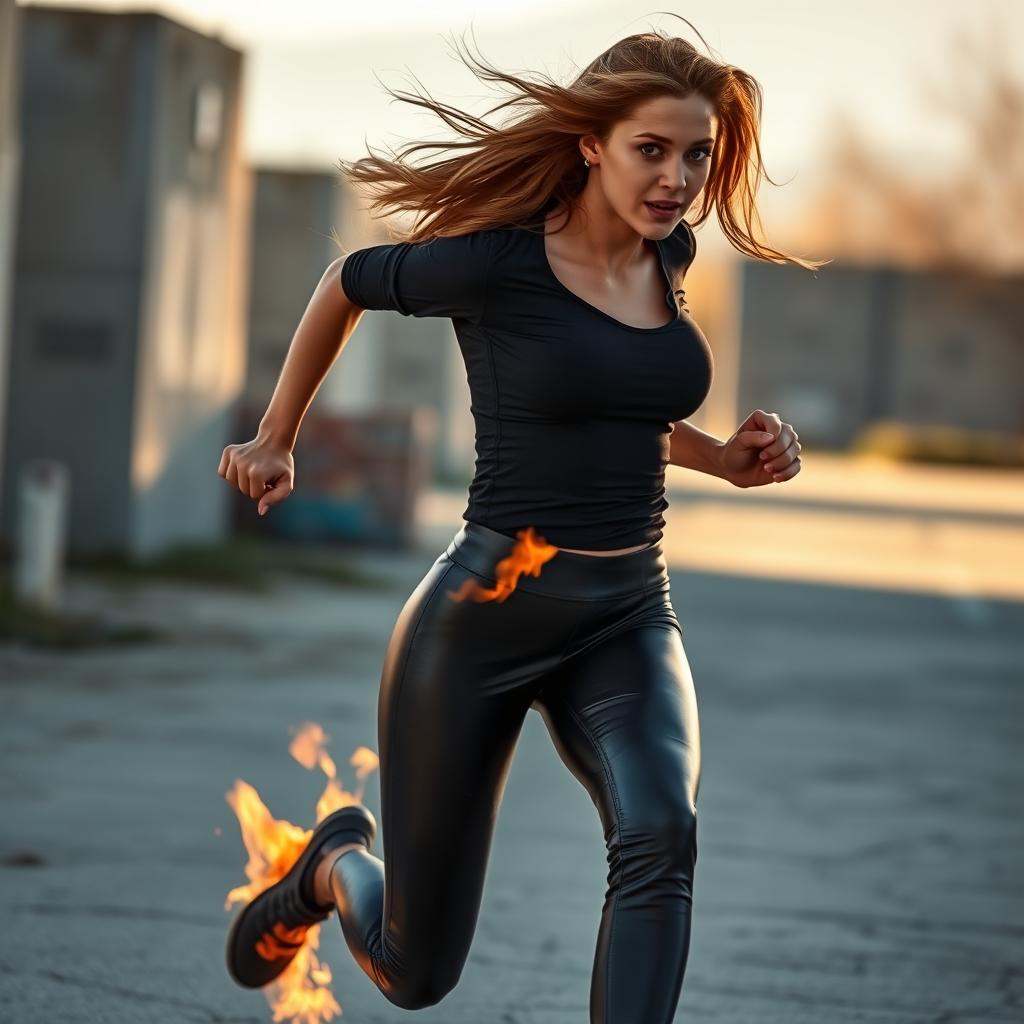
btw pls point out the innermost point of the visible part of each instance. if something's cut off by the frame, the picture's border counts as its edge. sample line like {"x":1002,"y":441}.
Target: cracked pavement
{"x":860,"y":810}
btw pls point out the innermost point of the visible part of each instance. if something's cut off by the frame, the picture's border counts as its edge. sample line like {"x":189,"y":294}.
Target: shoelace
{"x":291,"y":920}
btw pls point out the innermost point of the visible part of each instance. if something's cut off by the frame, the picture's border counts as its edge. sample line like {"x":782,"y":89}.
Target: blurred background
{"x":168,"y":194}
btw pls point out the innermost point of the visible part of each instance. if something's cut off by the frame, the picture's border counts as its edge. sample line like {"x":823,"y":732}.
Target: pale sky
{"x":311,"y":95}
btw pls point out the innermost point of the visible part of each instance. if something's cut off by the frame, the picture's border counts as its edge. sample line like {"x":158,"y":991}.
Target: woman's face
{"x":636,"y":166}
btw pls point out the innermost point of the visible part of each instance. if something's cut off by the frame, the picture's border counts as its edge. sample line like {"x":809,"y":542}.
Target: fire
{"x":301,"y":993}
{"x":529,"y":554}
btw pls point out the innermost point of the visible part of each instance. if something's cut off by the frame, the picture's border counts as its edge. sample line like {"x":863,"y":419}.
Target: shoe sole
{"x":343,"y":819}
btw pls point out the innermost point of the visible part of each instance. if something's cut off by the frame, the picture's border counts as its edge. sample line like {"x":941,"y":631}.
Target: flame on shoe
{"x":301,"y":993}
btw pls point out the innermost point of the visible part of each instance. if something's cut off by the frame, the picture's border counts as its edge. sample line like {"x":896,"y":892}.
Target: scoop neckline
{"x":542,"y":234}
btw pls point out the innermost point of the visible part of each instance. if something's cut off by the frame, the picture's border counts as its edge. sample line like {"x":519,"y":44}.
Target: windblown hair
{"x":510,"y":174}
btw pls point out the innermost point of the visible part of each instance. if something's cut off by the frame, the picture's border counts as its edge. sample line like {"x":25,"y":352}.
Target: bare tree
{"x":971,"y":215}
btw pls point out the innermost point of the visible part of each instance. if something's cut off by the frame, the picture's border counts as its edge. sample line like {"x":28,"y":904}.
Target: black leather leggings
{"x":594,"y":645}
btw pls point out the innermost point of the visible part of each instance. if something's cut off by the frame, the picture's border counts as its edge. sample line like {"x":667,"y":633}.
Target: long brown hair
{"x":506,"y":175}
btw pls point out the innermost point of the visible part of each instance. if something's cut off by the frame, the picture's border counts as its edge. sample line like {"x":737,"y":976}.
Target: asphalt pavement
{"x":860,"y":812}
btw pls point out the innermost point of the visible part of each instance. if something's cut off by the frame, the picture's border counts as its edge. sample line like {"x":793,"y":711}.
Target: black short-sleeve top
{"x":573,"y":408}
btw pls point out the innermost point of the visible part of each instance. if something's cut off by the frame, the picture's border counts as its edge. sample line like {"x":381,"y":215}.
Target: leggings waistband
{"x":567,"y":574}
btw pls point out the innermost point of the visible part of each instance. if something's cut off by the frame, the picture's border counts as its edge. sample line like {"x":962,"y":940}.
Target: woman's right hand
{"x":261,"y":468}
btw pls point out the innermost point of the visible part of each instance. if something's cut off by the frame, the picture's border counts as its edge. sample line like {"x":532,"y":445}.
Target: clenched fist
{"x":261,"y":468}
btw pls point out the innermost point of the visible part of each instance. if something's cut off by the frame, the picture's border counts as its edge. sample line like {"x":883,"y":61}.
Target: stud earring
{"x":586,"y":162}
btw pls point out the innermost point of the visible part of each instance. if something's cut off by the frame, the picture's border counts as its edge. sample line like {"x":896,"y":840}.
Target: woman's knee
{"x":663,"y":835}
{"x":423,"y":988}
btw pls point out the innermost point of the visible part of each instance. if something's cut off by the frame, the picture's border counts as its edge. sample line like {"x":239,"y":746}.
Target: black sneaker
{"x":271,"y":928}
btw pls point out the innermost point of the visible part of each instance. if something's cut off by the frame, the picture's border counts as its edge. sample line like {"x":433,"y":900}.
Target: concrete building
{"x":293,"y":214}
{"x":838,"y":350}
{"x":391,"y":362}
{"x":10,"y":159}
{"x":130,"y":273}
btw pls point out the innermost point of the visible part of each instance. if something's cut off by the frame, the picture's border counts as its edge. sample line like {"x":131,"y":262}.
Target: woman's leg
{"x":623,"y":716}
{"x":457,"y":682}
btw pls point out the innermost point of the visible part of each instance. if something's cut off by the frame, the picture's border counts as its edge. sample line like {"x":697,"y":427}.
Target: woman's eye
{"x":702,"y":149}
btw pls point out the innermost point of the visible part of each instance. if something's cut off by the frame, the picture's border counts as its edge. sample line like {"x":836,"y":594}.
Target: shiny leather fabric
{"x":594,"y":645}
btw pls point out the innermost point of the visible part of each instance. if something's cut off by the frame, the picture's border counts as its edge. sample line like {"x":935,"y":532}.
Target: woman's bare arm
{"x":692,"y":448}
{"x":325,"y":327}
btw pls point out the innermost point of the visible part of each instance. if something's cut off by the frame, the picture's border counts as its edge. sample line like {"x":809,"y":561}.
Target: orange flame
{"x":529,"y":554}
{"x":300,"y":994}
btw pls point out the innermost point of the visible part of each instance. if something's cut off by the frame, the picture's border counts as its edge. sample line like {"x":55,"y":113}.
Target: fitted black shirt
{"x":573,"y":408}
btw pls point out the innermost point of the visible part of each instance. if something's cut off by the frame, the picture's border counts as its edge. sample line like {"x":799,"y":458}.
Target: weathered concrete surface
{"x":860,"y":809}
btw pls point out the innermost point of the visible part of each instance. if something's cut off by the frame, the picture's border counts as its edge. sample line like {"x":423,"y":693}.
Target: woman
{"x":583,"y":363}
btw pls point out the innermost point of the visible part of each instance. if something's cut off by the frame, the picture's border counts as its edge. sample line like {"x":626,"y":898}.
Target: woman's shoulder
{"x":489,"y":238}
{"x":504,"y":241}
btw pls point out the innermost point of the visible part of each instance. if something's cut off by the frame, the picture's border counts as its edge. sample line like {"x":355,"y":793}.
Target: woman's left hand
{"x":763,"y":450}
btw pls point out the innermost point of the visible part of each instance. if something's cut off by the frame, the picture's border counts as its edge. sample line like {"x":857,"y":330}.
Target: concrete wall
{"x":391,"y":362}
{"x":294,"y":213}
{"x":85,"y":97}
{"x":837,"y":350}
{"x":192,"y":322}
{"x":130,"y":273}
{"x":10,"y":159}
{"x":960,"y":355}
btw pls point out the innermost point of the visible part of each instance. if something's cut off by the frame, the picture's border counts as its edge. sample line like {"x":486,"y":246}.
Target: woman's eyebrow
{"x":662,"y":138}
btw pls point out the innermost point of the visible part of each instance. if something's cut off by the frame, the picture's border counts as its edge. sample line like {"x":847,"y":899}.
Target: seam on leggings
{"x":394,"y":704}
{"x":622,"y":859}
{"x":544,"y":593}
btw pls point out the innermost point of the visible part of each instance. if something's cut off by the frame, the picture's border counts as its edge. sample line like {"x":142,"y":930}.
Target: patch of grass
{"x":40,"y":627}
{"x":941,"y":444}
{"x":240,"y":563}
